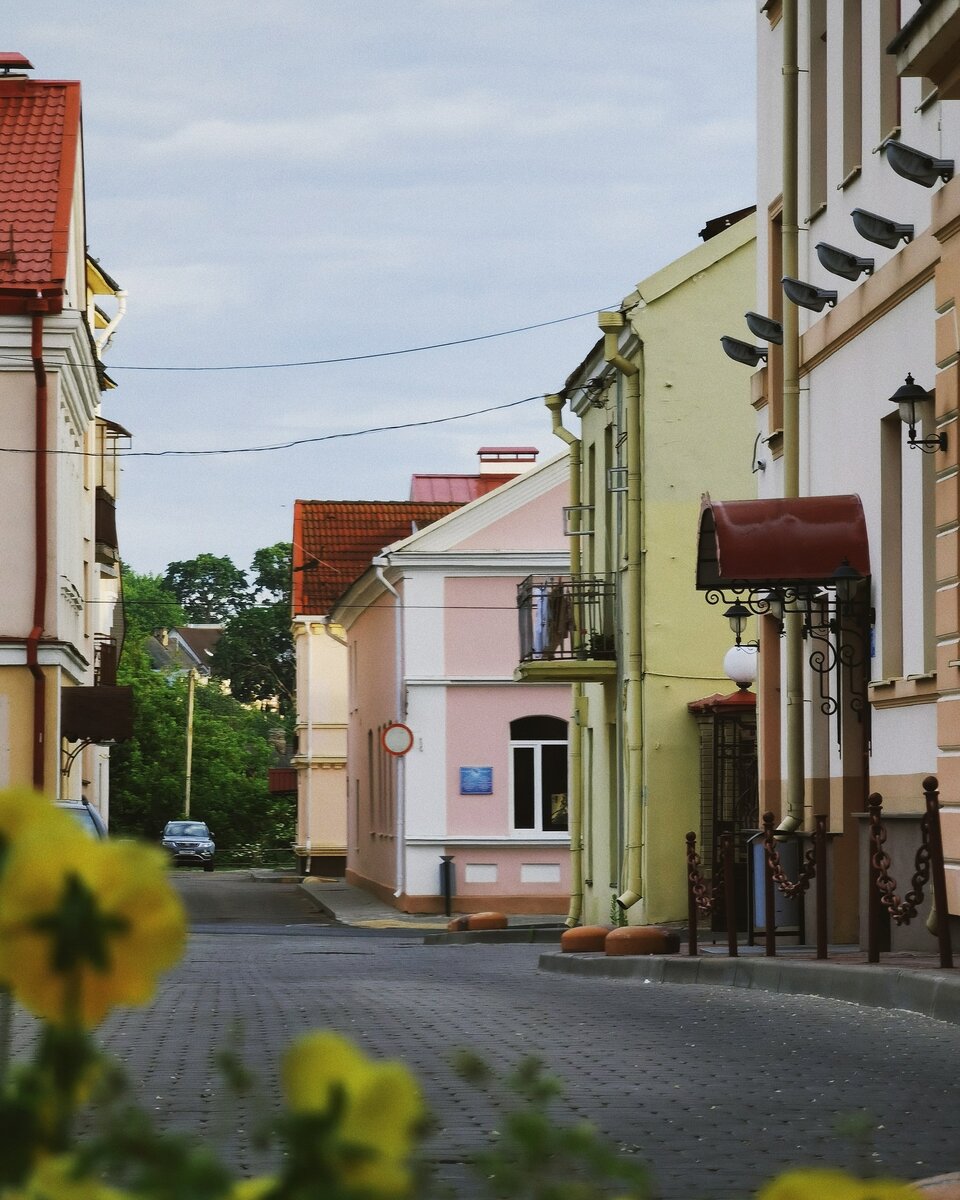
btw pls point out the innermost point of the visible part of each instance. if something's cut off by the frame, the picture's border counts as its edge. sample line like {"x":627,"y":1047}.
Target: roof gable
{"x":334,"y":541}
{"x":39,"y":142}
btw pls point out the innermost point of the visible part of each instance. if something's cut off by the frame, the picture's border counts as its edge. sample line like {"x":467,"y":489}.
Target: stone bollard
{"x":641,"y":939}
{"x":584,"y":939}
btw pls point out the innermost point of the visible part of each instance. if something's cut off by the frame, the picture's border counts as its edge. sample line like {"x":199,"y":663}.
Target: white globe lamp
{"x":740,"y":665}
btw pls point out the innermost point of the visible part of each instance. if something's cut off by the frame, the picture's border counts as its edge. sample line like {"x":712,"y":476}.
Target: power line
{"x":345,"y":358}
{"x":310,"y":441}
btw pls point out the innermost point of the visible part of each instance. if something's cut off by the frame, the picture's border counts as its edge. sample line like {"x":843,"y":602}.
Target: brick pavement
{"x":715,"y":1087}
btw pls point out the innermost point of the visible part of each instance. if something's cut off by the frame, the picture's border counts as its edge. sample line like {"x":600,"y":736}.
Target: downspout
{"x":575,"y":781}
{"x":789,"y":231}
{"x":611,"y":323}
{"x":40,"y":552}
{"x":401,"y":858}
{"x":308,"y":788}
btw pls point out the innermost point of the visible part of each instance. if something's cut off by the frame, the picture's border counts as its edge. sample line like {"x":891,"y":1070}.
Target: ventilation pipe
{"x":612,"y":323}
{"x":574,"y":782}
{"x":40,"y":551}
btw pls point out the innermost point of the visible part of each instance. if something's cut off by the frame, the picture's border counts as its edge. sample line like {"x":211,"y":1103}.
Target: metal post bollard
{"x":446,"y":882}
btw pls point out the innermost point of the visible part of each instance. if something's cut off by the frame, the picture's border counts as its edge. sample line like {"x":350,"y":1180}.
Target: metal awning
{"x":753,"y":543}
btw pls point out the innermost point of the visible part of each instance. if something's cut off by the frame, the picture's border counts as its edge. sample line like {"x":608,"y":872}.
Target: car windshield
{"x":84,"y":819}
{"x":186,"y":829}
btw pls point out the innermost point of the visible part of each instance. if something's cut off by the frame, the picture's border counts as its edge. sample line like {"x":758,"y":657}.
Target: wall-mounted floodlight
{"x":841,"y":262}
{"x":765,"y":327}
{"x":807,"y":295}
{"x":917,"y":166}
{"x":880,"y":229}
{"x":743,"y":352}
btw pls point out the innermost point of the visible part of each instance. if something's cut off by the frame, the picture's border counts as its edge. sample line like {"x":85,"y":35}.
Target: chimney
{"x":506,"y":460}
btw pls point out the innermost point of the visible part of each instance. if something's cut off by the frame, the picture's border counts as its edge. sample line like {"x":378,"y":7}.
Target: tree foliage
{"x":255,"y":652}
{"x":148,"y":605}
{"x":232,"y":741}
{"x":209,"y":588}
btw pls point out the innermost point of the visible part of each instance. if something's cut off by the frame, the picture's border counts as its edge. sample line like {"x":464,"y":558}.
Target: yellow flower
{"x":85,"y":925}
{"x":381,"y":1108}
{"x":22,"y":810}
{"x":816,"y":1184}
{"x":253,"y":1189}
{"x":53,"y":1179}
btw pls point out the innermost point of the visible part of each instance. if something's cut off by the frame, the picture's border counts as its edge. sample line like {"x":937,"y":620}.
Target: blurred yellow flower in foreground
{"x":54,"y":1180}
{"x":815,"y":1184}
{"x":22,"y":810}
{"x":380,"y":1108}
{"x":85,"y":925}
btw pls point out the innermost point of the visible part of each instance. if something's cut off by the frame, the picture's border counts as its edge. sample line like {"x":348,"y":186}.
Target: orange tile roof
{"x":334,"y":541}
{"x":39,"y":142}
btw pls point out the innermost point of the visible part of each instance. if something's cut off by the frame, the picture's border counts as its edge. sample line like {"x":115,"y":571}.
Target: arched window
{"x":538,"y":774}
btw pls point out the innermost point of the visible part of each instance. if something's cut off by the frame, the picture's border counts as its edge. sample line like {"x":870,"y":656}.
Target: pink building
{"x":431,"y":629}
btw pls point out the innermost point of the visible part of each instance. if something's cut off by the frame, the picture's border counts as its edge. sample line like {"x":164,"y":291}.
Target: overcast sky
{"x":314,"y":179}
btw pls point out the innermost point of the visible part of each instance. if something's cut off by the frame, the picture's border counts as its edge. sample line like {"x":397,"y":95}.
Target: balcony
{"x":567,"y":628}
{"x":928,"y":46}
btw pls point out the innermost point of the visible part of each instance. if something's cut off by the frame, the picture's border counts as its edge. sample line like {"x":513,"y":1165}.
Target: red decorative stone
{"x":584,"y":939}
{"x":486,"y":920}
{"x":457,"y":925}
{"x":641,"y":939}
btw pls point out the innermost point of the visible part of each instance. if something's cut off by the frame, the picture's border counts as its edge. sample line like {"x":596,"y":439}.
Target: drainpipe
{"x":401,"y":857}
{"x":789,"y":232}
{"x":308,"y":785}
{"x":611,"y":323}
{"x":575,"y":782}
{"x":40,"y":551}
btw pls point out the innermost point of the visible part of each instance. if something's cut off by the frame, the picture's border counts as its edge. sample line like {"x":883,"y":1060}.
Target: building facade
{"x":60,"y":610}
{"x":660,"y":419}
{"x":450,"y":760}
{"x":857,"y":263}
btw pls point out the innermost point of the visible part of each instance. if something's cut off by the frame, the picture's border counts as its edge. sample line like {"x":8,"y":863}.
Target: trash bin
{"x":787,"y":911}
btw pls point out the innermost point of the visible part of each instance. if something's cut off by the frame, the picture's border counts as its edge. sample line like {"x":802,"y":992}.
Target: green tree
{"x":255,"y":652}
{"x":209,"y":588}
{"x":148,"y":604}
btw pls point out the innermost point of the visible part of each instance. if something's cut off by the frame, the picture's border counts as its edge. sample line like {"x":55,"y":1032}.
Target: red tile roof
{"x":334,"y":541}
{"x":39,"y":143}
{"x":455,"y":489}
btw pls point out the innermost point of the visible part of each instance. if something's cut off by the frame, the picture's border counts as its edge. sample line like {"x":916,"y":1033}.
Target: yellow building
{"x":662,"y":421}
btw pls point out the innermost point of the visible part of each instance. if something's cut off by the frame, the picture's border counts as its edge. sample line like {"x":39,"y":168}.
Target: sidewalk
{"x":350,"y":905}
{"x":912,"y":982}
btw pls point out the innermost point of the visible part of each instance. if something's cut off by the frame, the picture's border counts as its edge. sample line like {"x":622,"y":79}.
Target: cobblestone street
{"x":715,"y":1088}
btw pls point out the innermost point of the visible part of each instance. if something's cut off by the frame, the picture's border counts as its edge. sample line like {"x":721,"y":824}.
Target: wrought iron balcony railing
{"x":566,"y":617}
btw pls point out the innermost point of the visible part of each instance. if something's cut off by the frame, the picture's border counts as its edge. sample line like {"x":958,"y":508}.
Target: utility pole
{"x":191,"y":688}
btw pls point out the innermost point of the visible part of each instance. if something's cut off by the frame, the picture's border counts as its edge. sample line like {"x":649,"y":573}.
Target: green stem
{"x":6,"y":1025}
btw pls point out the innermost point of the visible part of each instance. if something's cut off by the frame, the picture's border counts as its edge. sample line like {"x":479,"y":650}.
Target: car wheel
{"x":208,"y":866}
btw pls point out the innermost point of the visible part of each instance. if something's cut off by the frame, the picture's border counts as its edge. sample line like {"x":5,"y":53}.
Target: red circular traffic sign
{"x":397,"y":738}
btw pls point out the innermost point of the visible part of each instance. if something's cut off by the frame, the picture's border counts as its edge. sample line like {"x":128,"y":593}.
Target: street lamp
{"x":908,"y":397}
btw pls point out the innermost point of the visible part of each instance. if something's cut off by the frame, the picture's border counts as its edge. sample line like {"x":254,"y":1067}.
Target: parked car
{"x":86,"y":817}
{"x":189,"y":842}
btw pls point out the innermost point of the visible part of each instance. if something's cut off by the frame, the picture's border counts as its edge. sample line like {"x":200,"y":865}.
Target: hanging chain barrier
{"x":775,"y":878}
{"x":704,"y":896}
{"x":928,"y":867}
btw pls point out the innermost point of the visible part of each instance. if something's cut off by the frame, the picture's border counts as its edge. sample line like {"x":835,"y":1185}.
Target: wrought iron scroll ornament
{"x":836,"y":625}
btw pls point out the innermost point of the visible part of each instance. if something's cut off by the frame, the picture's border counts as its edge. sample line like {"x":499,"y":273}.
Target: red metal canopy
{"x":802,"y":540}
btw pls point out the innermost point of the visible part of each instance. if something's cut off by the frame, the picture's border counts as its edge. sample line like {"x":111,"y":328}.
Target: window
{"x":538,"y":778}
{"x":817,"y":42}
{"x":852,"y":89}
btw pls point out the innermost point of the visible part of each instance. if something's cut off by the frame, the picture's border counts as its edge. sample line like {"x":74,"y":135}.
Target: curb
{"x":515,"y":933}
{"x":928,"y":993}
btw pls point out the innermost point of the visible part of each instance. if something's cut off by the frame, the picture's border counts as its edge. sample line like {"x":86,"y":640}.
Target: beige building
{"x":60,"y":625}
{"x":859,"y":266}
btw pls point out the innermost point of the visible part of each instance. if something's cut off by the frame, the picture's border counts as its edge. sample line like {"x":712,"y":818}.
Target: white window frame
{"x":537,"y":829}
